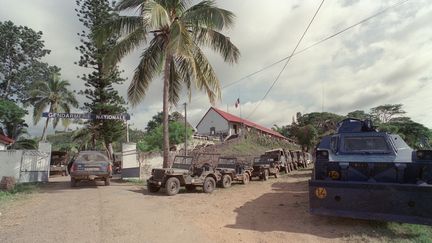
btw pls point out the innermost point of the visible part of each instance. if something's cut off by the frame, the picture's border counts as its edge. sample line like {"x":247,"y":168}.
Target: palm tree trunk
{"x":165,"y":111}
{"x":43,"y":138}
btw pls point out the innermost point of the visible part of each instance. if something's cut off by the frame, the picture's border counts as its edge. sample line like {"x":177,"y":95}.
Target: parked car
{"x":265,"y":166}
{"x":282,"y":157}
{"x":90,"y":165}
{"x":233,"y":170}
{"x":184,"y":172}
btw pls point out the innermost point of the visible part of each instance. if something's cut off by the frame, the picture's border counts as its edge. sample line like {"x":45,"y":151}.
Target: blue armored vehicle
{"x":363,"y":173}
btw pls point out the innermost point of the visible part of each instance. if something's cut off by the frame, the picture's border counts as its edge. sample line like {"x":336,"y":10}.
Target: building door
{"x":212,"y":131}
{"x":235,"y":129}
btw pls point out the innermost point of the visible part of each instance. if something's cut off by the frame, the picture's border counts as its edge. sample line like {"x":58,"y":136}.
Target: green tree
{"x":21,"y":50}
{"x":324,"y":122}
{"x":153,"y":140}
{"x":414,"y":134}
{"x":306,"y":136}
{"x":359,"y":114}
{"x":12,"y":119}
{"x":174,"y":34}
{"x":103,"y":97}
{"x":384,"y":113}
{"x":54,"y":95}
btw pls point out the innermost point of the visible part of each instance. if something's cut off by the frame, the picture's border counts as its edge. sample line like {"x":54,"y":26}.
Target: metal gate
{"x":34,"y":167}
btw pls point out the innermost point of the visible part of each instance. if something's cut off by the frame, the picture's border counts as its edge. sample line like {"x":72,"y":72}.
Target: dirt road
{"x":272,"y":211}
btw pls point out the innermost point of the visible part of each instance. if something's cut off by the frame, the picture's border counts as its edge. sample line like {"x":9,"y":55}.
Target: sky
{"x":385,"y":60}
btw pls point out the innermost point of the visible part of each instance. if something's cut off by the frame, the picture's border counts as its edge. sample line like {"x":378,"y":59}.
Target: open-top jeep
{"x":233,"y":170}
{"x":183,"y":172}
{"x":265,"y":166}
{"x":282,"y":157}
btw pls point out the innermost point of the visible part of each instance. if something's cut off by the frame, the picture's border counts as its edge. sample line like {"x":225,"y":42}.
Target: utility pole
{"x":185,"y":124}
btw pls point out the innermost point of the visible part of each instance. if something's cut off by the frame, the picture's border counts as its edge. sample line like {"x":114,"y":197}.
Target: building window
{"x":212,"y":131}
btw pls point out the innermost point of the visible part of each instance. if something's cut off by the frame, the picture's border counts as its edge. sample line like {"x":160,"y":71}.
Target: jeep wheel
{"x":226,"y":181}
{"x":246,"y":178}
{"x":153,"y":188}
{"x":190,"y":188}
{"x":107,"y":181}
{"x":172,"y":186}
{"x":73,"y":182}
{"x":209,"y":184}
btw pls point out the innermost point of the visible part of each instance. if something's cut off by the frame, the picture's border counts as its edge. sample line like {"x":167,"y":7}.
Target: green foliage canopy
{"x":153,"y":140}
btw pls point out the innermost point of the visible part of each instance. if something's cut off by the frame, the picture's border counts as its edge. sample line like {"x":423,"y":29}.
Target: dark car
{"x":183,"y":172}
{"x":233,"y":170}
{"x":265,"y":166}
{"x":362,"y":173}
{"x":90,"y":165}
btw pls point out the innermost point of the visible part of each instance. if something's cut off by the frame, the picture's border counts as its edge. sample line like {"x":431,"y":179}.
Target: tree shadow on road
{"x":287,"y":209}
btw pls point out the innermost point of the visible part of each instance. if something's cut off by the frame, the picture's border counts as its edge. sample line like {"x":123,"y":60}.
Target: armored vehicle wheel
{"x":107,"y":181}
{"x":226,"y":181}
{"x":246,"y":178}
{"x":209,"y":185}
{"x":153,"y":188}
{"x":73,"y":182}
{"x":172,"y":186}
{"x":265,"y":175}
{"x":190,"y":188}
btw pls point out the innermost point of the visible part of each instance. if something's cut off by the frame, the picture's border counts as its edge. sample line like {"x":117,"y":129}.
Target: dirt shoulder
{"x":272,"y":211}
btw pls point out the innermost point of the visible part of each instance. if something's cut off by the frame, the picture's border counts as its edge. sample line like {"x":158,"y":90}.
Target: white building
{"x":5,"y":141}
{"x":223,"y":124}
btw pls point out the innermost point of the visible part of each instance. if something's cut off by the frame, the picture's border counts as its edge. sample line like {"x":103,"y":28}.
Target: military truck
{"x":282,"y":157}
{"x":264,"y":166}
{"x":300,"y":159}
{"x":233,"y":170}
{"x":183,"y":172}
{"x":363,"y":173}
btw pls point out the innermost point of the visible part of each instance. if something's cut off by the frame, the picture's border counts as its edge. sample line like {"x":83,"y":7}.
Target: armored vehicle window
{"x":334,"y":144}
{"x":365,"y":144}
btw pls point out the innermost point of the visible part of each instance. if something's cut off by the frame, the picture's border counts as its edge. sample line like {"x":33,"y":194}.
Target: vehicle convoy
{"x":265,"y":166}
{"x":184,"y":172}
{"x":300,"y":159}
{"x":90,"y":165}
{"x":283,"y":157}
{"x":362,"y":173}
{"x":233,"y":170}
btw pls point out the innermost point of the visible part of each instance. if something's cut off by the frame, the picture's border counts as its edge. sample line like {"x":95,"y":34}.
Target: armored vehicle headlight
{"x":322,"y":154}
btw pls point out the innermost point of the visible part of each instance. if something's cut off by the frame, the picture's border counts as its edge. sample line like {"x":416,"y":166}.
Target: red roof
{"x":5,"y":139}
{"x":231,"y":118}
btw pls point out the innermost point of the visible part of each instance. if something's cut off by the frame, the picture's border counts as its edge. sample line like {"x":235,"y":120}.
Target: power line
{"x":316,"y":43}
{"x":287,"y":61}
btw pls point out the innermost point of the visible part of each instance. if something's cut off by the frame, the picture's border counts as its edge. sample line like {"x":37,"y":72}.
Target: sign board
{"x":86,"y":116}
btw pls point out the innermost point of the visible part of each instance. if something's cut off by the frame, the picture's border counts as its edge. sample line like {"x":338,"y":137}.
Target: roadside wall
{"x":26,"y":165}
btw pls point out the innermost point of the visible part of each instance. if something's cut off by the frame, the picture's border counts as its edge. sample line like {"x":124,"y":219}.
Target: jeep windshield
{"x":181,"y":162}
{"x":263,"y":160}
{"x":227,"y":162}
{"x":365,"y":144}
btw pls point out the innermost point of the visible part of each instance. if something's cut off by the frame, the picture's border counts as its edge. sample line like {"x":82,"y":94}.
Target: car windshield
{"x":181,"y":162}
{"x":228,"y":162}
{"x":91,"y":157}
{"x":366,"y":144}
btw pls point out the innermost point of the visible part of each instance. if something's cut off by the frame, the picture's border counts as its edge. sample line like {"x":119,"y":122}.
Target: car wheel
{"x":73,"y":182}
{"x":266,"y":175}
{"x":172,"y":186}
{"x":209,"y":184}
{"x":226,"y":181}
{"x":107,"y":181}
{"x":246,"y":178}
{"x":153,"y":188}
{"x":190,"y":188}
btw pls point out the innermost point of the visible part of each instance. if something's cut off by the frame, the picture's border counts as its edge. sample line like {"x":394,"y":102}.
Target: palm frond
{"x":38,"y":109}
{"x":206,"y":14}
{"x":129,"y":4}
{"x":121,"y":25}
{"x":180,"y":41}
{"x":218,"y":42}
{"x":149,"y":67}
{"x":157,"y":15}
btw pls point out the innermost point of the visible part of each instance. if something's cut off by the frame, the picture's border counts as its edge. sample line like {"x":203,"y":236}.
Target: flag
{"x":237,"y":103}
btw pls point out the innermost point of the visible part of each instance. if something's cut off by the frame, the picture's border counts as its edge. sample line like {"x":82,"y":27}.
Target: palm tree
{"x":174,"y":35}
{"x":54,"y":94}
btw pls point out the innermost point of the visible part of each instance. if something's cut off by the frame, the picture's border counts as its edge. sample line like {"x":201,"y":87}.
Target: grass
{"x":138,"y":182}
{"x":19,"y":190}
